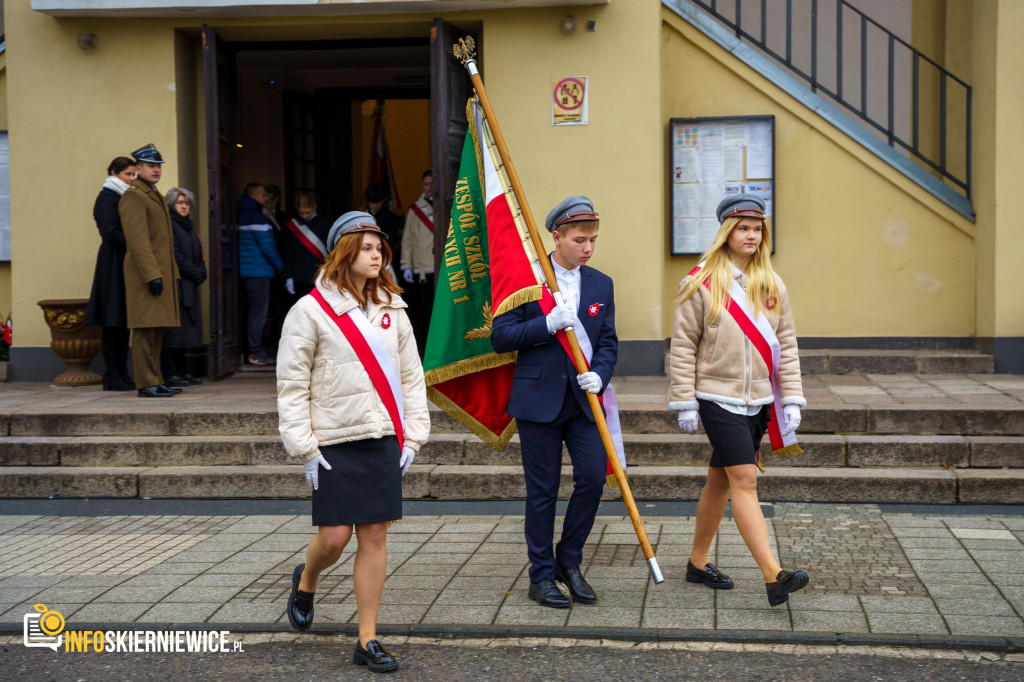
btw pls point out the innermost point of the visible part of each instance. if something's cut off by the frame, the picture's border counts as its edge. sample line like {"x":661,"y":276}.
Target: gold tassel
{"x":469,"y":366}
{"x":788,"y":451}
{"x":614,"y":482}
{"x":760,"y":464}
{"x":497,"y":442}
{"x":391,"y":523}
{"x":521,"y":297}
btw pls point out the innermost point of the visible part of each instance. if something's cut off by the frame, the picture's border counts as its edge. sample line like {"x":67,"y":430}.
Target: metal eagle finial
{"x":465,"y":49}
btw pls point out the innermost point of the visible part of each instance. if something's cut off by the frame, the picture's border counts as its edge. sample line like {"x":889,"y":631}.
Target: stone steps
{"x":846,"y":361}
{"x":454,"y":482}
{"x":642,"y":450}
{"x":977,"y":419}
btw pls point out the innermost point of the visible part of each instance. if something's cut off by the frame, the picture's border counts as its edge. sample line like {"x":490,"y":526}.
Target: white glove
{"x":407,"y":275}
{"x":560,"y":317}
{"x":312,"y":468}
{"x":408,"y":455}
{"x":791,"y":416}
{"x":688,"y":420}
{"x":289,"y":285}
{"x":589,"y":382}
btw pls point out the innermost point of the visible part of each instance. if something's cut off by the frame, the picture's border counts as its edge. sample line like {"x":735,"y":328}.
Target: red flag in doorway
{"x":380,"y":169}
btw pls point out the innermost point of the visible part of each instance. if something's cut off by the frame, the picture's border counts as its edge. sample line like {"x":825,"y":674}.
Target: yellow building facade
{"x":869,"y":255}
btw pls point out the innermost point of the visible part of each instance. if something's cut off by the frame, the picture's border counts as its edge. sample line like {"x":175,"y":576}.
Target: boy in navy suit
{"x":550,"y":406}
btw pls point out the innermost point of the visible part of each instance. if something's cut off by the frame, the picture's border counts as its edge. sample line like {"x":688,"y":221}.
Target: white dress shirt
{"x":568,"y":283}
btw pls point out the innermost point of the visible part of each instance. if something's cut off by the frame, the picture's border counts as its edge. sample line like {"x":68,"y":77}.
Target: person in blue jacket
{"x":550,"y":406}
{"x":258,"y":263}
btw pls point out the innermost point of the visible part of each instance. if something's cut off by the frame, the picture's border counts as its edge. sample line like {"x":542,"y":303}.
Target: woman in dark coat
{"x":189,"y":255}
{"x":106,"y":302}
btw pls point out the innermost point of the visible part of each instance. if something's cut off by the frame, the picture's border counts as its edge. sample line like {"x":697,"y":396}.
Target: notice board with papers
{"x":709,"y":159}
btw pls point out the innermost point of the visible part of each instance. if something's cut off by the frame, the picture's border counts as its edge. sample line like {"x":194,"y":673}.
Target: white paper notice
{"x":733,"y":163}
{"x":684,"y":236}
{"x":707,"y":228}
{"x":687,"y":165}
{"x":759,"y":150}
{"x":712,"y":166}
{"x":685,"y":201}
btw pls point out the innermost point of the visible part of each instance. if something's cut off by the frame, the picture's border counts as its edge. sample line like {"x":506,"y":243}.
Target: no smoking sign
{"x":569,"y":101}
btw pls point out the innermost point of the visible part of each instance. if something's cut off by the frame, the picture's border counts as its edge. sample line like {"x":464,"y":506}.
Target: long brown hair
{"x":337,"y":269}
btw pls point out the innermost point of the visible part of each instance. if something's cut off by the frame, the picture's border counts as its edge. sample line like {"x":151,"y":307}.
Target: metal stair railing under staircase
{"x":906,"y":68}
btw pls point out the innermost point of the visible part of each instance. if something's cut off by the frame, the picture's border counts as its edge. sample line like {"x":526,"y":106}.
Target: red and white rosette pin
{"x":593,"y":309}
{"x":385,"y":321}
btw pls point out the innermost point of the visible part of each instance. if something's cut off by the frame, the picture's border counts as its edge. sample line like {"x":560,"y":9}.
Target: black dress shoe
{"x":785,"y":583}
{"x":155,"y":392}
{"x":300,"y":604}
{"x":374,"y":657}
{"x":174,"y":391}
{"x":710,"y":576}
{"x":579,"y":588}
{"x":195,"y":381}
{"x":175,"y":380}
{"x":546,"y":593}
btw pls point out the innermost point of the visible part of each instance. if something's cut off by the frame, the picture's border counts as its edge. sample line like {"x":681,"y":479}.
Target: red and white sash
{"x":763,"y":337}
{"x":308,"y":239}
{"x":370,"y":349}
{"x":607,"y":399}
{"x":427,"y":220}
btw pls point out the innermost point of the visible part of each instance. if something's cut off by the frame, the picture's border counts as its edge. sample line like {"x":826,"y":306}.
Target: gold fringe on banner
{"x":468,"y":366}
{"x":788,"y":451}
{"x":460,"y":415}
{"x":614,"y":482}
{"x":521,"y":297}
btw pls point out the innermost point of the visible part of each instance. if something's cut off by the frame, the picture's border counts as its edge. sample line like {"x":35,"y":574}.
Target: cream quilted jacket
{"x":324,"y":396}
{"x":718,"y":362}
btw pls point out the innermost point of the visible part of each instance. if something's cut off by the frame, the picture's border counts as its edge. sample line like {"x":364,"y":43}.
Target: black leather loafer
{"x":546,"y":593}
{"x":786,"y":582}
{"x":579,"y":588}
{"x":175,"y":391}
{"x":374,"y":657}
{"x":195,"y":381}
{"x":176,"y":381}
{"x":710,"y":576}
{"x":155,"y":392}
{"x":300,"y":604}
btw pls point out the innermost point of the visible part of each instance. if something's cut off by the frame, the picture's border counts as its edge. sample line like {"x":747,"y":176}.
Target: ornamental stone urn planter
{"x":74,"y":341}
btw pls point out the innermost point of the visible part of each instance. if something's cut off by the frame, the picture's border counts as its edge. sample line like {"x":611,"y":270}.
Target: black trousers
{"x":115,"y":342}
{"x":542,"y":466}
{"x":258,"y":290}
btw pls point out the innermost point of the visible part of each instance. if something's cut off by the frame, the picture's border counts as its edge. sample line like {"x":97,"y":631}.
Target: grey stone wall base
{"x":1008,"y":352}
{"x":641,"y":358}
{"x":887,"y":342}
{"x":39,"y":363}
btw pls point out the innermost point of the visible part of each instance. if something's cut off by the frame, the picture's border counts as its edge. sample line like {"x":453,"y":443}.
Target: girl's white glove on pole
{"x":791,"y":417}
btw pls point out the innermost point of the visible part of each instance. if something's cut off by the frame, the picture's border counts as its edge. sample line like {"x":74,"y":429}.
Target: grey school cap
{"x":571,"y":210}
{"x":742,"y":205}
{"x":353,"y":221}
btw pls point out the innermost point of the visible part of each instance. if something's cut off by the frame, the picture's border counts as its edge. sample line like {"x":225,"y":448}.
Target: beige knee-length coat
{"x":150,"y":254}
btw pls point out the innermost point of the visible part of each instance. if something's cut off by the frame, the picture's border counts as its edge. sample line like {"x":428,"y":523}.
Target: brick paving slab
{"x":872,"y":573}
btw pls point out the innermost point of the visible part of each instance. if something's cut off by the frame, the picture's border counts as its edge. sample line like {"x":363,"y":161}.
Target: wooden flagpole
{"x":464,"y":50}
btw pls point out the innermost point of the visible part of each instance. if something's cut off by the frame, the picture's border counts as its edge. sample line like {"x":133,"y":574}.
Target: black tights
{"x":115,"y":344}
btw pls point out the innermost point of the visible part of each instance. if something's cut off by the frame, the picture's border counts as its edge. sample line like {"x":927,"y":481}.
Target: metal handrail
{"x":886,"y":127}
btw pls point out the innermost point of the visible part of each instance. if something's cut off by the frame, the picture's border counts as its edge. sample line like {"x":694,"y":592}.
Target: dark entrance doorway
{"x":299,"y":115}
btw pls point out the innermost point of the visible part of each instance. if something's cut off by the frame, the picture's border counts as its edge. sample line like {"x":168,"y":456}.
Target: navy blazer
{"x":543,"y":367}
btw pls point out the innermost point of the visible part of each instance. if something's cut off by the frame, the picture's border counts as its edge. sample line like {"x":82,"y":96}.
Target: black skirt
{"x":736,"y":438}
{"x":364,"y":484}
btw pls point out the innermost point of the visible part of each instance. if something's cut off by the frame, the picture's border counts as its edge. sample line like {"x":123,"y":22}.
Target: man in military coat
{"x":150,"y":272}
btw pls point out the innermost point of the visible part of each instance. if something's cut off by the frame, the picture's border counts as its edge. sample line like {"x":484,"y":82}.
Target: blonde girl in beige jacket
{"x":718,"y":375}
{"x":355,"y":434}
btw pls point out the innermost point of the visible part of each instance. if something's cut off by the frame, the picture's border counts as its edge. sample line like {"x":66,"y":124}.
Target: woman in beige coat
{"x":353,"y":408}
{"x":734,"y":364}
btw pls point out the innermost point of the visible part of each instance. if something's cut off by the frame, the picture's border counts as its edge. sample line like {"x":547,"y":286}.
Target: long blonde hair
{"x":762,"y":286}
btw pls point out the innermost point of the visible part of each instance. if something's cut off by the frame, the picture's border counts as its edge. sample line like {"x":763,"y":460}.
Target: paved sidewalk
{"x":875,"y":572}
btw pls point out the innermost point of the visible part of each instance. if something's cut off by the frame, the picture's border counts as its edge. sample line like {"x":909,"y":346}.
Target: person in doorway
{"x":356,"y":428}
{"x":107,"y":299}
{"x":150,"y":272}
{"x":417,"y":261}
{"x":188,"y":253}
{"x":377,"y":205}
{"x":551,"y":408}
{"x":258,"y":263}
{"x":304,"y":246}
{"x":734,"y":365}
{"x":280,"y":299}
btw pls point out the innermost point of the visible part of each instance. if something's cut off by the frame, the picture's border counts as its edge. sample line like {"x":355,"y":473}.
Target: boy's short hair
{"x":376,"y":192}
{"x":587,"y":226}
